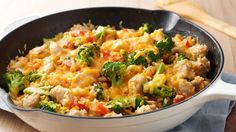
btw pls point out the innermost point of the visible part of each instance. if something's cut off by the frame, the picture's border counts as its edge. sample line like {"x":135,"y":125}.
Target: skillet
{"x":32,"y":33}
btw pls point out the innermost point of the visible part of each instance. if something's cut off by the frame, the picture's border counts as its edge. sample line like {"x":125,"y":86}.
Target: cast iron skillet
{"x":33,"y":32}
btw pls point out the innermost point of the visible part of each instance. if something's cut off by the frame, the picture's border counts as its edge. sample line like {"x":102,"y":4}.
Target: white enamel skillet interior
{"x":159,"y":120}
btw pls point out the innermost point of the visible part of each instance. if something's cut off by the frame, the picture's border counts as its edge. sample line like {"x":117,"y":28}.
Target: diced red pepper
{"x":101,"y":109}
{"x":80,"y":105}
{"x":68,"y":65}
{"x":77,"y":33}
{"x":187,"y":44}
{"x":81,"y":33}
{"x":105,"y":53}
{"x":90,"y":39}
{"x":178,"y":98}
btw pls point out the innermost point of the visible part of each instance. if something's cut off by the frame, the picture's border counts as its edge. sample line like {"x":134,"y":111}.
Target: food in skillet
{"x":101,"y":71}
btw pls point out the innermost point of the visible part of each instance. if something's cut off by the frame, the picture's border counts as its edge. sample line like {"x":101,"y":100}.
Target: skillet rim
{"x":10,"y":102}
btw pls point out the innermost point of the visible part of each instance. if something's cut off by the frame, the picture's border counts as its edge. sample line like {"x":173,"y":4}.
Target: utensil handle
{"x":220,"y":90}
{"x":215,"y":23}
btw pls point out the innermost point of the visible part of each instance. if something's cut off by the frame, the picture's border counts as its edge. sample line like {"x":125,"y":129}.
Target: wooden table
{"x":13,"y":9}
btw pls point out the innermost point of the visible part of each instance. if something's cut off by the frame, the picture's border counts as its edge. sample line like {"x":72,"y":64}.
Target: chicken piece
{"x":199,"y":82}
{"x":112,"y":114}
{"x":185,"y":88}
{"x":144,"y":108}
{"x":31,"y":101}
{"x":184,"y":69}
{"x":75,"y":112}
{"x":54,"y":48}
{"x":135,"y":84}
{"x":197,"y":51}
{"x":61,"y":95}
{"x":48,"y":64}
{"x":201,"y":66}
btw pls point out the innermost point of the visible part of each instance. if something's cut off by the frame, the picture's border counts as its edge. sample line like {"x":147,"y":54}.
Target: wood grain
{"x":12,"y":9}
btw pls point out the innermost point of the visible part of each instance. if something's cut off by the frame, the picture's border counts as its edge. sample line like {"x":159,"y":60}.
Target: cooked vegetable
{"x":158,"y":80}
{"x":181,"y":57}
{"x":100,"y":33}
{"x":148,"y":28}
{"x":160,"y":68}
{"x":164,"y":91}
{"x":165,"y":45}
{"x":119,"y":104}
{"x":167,"y":101}
{"x":87,"y":54}
{"x":153,"y":57}
{"x":33,"y":76}
{"x":140,"y":60}
{"x":14,"y":82}
{"x":49,"y":105}
{"x":139,"y":102}
{"x":99,"y":92}
{"x":114,"y":71}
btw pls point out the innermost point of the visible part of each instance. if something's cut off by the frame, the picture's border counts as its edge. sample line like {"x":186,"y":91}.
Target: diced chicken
{"x":31,"y":101}
{"x":135,"y":84}
{"x":185,"y":88}
{"x":61,"y":95}
{"x":54,"y":48}
{"x":144,"y":108}
{"x":48,"y":64}
{"x":197,"y":51}
{"x":112,"y":114}
{"x":184,"y":69}
{"x":75,"y":112}
{"x":201,"y":66}
{"x":199,"y":82}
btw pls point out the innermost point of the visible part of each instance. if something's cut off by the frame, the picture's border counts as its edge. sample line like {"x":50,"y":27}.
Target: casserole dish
{"x":158,"y":120}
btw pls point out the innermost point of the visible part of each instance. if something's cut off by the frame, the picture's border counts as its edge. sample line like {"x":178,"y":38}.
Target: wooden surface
{"x":11,"y":10}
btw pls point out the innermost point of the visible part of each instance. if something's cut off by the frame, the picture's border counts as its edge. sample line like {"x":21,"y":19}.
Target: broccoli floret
{"x":148,"y":28}
{"x":164,"y":91}
{"x":153,"y":57}
{"x":143,"y":57}
{"x":167,"y":101}
{"x":49,"y":105}
{"x":160,"y":68}
{"x":139,"y":102}
{"x":114,"y":71}
{"x":140,"y":60}
{"x":100,"y":34}
{"x":165,"y":45}
{"x":87,"y":54}
{"x":181,"y":56}
{"x":14,"y":82}
{"x":99,"y":92}
{"x":119,"y":104}
{"x":33,"y":76}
